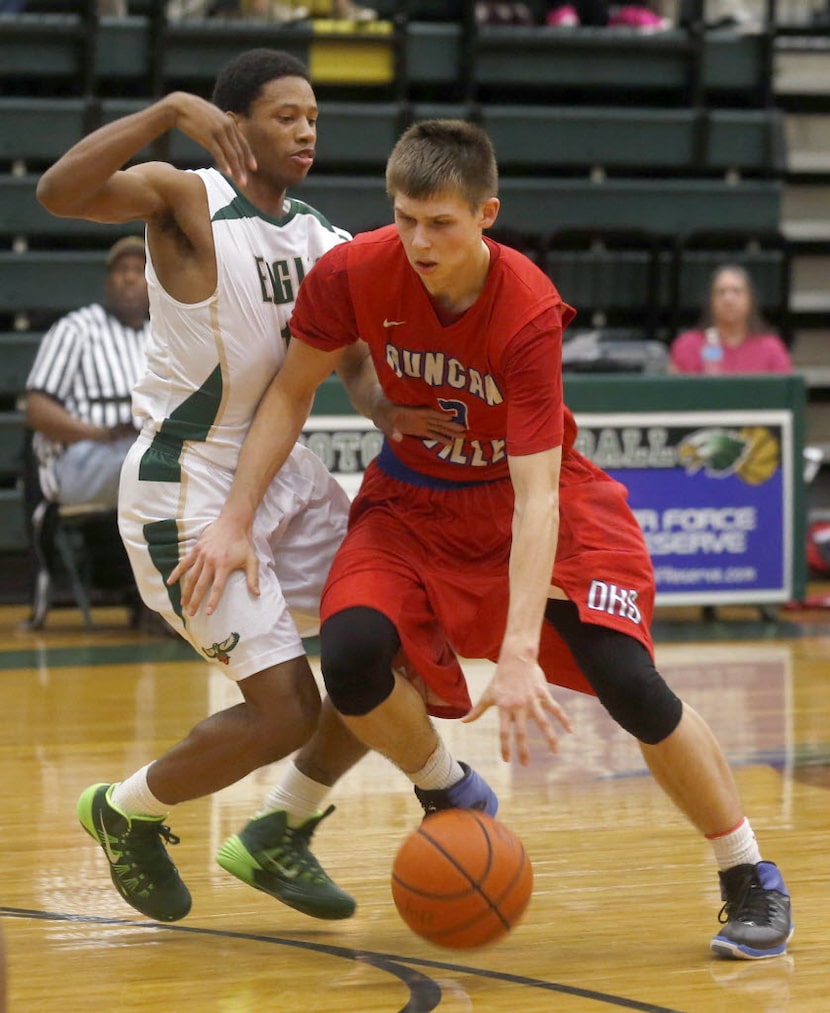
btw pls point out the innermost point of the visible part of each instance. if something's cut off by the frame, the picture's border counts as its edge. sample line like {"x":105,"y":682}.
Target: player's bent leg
{"x":273,"y":856}
{"x":621,"y":673}
{"x":384,"y":709}
{"x":278,"y":715}
{"x":691,"y":768}
{"x":332,"y":750}
{"x":687,"y":762}
{"x":140,"y":867}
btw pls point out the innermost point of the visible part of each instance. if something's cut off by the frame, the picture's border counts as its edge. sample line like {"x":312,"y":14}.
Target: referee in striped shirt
{"x":78,"y":394}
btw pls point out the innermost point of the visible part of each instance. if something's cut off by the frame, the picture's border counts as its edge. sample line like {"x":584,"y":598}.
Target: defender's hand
{"x":397,"y":421}
{"x":204,"y":571}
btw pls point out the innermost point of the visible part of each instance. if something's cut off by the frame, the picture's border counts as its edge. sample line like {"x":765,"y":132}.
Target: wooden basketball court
{"x":626,"y":894}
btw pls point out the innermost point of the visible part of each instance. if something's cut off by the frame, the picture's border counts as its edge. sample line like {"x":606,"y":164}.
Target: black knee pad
{"x":621,"y":673}
{"x":357,"y":647}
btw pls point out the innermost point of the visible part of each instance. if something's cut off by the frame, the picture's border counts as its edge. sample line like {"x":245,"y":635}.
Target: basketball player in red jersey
{"x":488,"y":536}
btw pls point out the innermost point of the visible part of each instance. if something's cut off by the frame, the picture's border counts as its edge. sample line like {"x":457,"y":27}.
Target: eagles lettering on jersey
{"x":209,"y":362}
{"x":279,"y":280}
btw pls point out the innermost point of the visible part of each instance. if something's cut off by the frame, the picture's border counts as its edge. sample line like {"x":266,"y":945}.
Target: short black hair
{"x":240,"y":82}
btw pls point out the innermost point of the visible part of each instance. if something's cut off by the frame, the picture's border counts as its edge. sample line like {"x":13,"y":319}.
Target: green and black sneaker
{"x":273,"y":857}
{"x":139,"y":864}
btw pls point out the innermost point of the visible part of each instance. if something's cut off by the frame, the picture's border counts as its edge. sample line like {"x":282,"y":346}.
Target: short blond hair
{"x":443,"y":156}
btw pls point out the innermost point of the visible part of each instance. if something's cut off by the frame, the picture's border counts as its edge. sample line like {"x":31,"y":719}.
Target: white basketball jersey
{"x":209,"y":363}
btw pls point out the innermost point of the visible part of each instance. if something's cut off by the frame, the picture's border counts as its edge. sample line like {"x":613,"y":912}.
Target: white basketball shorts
{"x":165,"y":504}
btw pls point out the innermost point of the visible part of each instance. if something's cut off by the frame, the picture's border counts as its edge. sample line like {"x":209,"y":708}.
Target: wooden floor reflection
{"x":625,"y":895}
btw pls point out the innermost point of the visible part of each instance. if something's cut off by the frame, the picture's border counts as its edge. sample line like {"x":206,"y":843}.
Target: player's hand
{"x":204,"y":571}
{"x":397,"y":421}
{"x":521,"y":693}
{"x":215,"y":131}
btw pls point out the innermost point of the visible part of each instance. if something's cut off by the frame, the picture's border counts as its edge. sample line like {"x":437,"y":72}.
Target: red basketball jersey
{"x":497,"y":368}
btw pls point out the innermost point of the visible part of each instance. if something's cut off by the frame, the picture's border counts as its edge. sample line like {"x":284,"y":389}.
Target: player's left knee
{"x":644,"y":706}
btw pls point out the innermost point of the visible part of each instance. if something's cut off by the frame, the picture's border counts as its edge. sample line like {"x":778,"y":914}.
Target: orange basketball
{"x":461,"y":879}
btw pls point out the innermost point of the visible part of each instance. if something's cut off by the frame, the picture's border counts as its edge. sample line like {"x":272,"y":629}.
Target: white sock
{"x":134,"y":798}
{"x":299,"y":795}
{"x":440,"y":771}
{"x":735,"y":847}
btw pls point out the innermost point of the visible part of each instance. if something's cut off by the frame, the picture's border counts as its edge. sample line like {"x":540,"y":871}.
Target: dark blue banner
{"x":713,"y":495}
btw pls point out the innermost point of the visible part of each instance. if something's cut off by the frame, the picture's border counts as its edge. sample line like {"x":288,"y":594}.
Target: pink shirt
{"x":759,"y":353}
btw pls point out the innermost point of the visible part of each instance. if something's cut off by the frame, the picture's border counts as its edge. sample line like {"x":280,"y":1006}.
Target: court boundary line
{"x":422,"y":988}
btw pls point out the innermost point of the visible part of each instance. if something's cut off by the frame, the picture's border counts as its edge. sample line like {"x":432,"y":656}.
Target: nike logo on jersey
{"x":393,"y":323}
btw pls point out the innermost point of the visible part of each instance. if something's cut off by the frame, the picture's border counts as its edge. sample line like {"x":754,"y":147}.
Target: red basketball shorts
{"x":435,"y":563}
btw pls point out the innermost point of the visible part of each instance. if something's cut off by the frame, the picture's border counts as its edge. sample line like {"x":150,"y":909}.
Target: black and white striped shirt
{"x":88,"y":361}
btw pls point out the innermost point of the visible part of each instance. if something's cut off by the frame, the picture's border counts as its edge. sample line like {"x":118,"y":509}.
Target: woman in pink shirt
{"x":732,"y":336}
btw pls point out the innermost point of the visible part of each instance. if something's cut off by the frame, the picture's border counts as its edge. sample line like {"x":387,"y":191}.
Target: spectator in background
{"x":732,"y":336}
{"x":78,"y":402}
{"x":78,"y":394}
{"x":601,"y":13}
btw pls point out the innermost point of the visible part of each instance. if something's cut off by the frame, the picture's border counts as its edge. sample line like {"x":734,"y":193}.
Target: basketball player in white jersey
{"x":226,"y":252}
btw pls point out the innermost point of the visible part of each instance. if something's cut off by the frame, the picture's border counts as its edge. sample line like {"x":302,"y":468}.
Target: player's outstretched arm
{"x":88,"y":181}
{"x":518,"y":688}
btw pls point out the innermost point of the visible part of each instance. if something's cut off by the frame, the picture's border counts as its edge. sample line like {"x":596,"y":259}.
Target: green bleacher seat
{"x":13,"y":533}
{"x":621,"y":274}
{"x":50,"y":282}
{"x":536,"y":206}
{"x":434,"y":59}
{"x":124,"y":51}
{"x":50,"y":51}
{"x":11,"y":445}
{"x":353,"y":136}
{"x":536,"y":139}
{"x":665,"y":206}
{"x":17,"y":353}
{"x":535,"y":62}
{"x":190,"y":53}
{"x":357,"y":134}
{"x":697,"y":266}
{"x":39,"y":129}
{"x":737,"y":64}
{"x":747,"y":141}
{"x":22,"y":215}
{"x":764,"y":253}
{"x":355,"y":203}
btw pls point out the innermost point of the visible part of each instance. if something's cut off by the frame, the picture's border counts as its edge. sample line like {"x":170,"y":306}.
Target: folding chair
{"x":61,"y":529}
{"x":58,"y":537}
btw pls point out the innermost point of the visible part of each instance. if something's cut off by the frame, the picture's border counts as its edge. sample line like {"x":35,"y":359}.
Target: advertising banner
{"x":713,"y":493}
